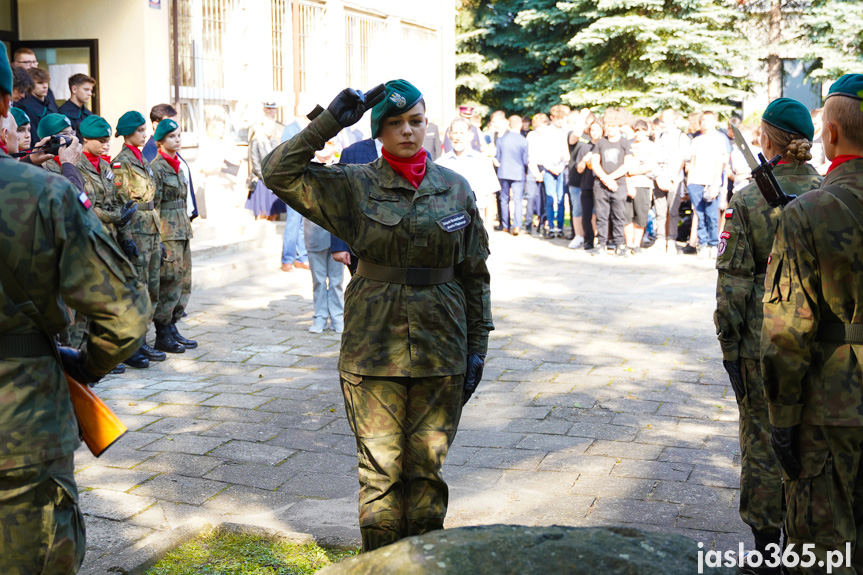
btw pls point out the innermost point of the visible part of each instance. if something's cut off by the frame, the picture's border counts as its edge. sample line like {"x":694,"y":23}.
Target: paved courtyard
{"x":603,"y":402}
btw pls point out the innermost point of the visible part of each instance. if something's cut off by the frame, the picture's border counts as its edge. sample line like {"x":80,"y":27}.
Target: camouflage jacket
{"x":750,"y":225}
{"x":134,"y":180}
{"x":393,"y":329}
{"x":77,"y":261}
{"x":172,"y":188}
{"x":99,"y":186}
{"x":815,"y":275}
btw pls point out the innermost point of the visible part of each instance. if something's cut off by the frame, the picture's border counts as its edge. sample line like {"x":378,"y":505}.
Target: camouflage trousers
{"x":761,"y":498}
{"x":175,"y":284}
{"x":825,"y":503}
{"x":404,"y":428}
{"x":41,"y":526}
{"x":148,"y":263}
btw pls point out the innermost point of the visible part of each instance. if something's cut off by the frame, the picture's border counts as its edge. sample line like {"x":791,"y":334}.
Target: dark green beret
{"x":129,"y":122}
{"x":5,"y":72}
{"x":791,"y":116}
{"x":94,"y":127}
{"x":850,"y":85}
{"x":164,"y":128}
{"x":401,"y":97}
{"x":21,"y":117}
{"x":52,"y":124}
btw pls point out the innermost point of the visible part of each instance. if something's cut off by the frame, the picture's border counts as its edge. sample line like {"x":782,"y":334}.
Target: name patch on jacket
{"x":454,"y":221}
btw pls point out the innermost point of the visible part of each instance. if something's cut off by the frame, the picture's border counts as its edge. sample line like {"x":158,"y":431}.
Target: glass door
{"x":65,"y":58}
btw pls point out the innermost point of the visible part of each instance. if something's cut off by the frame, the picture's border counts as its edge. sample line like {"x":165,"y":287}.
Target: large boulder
{"x":515,"y":549}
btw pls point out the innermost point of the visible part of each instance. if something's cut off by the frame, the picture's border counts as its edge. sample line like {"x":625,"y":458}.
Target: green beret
{"x":401,"y":97}
{"x":21,"y":117}
{"x":850,"y":85}
{"x":129,"y":122}
{"x":52,"y":124}
{"x":791,"y":116}
{"x":164,"y":128}
{"x":5,"y":72}
{"x":95,"y":127}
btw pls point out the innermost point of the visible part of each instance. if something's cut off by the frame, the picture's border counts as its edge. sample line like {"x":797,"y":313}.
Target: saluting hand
{"x":349,"y":105}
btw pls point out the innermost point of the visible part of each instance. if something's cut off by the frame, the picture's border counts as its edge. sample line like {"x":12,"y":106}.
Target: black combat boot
{"x":165,"y":339}
{"x":138,"y":360}
{"x":762,"y":540}
{"x":187,"y":343}
{"x":118,"y":370}
{"x":152,"y":354}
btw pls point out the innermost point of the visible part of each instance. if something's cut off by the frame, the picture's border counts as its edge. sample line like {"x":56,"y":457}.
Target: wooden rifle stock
{"x":99,"y":425}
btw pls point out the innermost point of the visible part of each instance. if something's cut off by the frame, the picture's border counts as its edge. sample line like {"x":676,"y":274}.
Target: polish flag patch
{"x":85,"y":201}
{"x":116,"y":165}
{"x":728,"y":213}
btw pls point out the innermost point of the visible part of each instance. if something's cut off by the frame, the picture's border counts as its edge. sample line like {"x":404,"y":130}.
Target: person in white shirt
{"x":552,"y":160}
{"x":475,"y":167}
{"x":709,"y":156}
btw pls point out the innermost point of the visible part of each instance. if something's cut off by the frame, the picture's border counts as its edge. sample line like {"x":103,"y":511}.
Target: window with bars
{"x":280,"y":16}
{"x":213,"y":33}
{"x":363,"y":37}
{"x":308,"y":44}
{"x":183,"y":37}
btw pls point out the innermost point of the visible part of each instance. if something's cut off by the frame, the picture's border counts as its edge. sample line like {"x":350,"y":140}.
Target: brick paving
{"x":603,"y":402}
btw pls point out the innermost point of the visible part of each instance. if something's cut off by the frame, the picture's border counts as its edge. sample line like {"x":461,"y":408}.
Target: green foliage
{"x":833,"y":31}
{"x":234,"y":554}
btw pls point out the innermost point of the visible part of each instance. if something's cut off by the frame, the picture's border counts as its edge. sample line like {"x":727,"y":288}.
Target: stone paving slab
{"x":603,"y":402}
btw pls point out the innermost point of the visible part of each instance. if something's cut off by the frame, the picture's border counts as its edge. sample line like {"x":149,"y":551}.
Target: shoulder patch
{"x":85,"y":201}
{"x":454,"y":222}
{"x":729,"y":213}
{"x":116,"y":165}
{"x":723,"y":242}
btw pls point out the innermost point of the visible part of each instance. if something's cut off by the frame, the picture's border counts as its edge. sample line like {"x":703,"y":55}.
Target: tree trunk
{"x":774,"y":62}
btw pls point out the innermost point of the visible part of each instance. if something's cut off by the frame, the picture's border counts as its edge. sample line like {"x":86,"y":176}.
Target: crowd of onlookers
{"x":616,"y":181}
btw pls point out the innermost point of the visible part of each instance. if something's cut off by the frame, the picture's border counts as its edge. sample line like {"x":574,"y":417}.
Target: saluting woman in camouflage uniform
{"x":417,"y":312}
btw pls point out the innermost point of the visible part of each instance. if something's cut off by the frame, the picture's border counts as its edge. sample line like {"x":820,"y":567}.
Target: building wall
{"x":134,"y":58}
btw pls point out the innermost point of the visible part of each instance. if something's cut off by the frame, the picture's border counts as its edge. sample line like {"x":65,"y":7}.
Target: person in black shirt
{"x":611,"y":161}
{"x":583,"y":155}
{"x":36,"y":103}
{"x":81,"y":87}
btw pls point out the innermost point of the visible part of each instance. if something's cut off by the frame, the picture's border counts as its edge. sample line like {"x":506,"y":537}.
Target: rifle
{"x":762,"y":173}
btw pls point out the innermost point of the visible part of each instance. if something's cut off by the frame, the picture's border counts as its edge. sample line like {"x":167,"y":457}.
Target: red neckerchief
{"x":174,"y":162}
{"x":413,"y":169}
{"x":3,"y":147}
{"x":57,"y":159}
{"x":94,"y":160}
{"x":839,"y":160}
{"x":137,"y":153}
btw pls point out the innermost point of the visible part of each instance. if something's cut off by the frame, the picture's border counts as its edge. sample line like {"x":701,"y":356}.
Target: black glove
{"x":127,"y":213}
{"x":73,"y":364}
{"x":130,"y":248}
{"x":783,"y":440}
{"x":164,"y":251}
{"x":350,"y":105}
{"x":736,"y":377}
{"x":475,"y":363}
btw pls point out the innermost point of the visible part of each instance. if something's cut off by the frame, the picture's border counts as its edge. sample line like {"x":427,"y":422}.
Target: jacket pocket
{"x":384,"y":208}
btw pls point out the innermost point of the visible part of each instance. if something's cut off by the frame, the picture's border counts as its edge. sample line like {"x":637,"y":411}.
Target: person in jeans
{"x":639,"y":186}
{"x":709,"y":157}
{"x":534,"y":177}
{"x":553,"y":159}
{"x":512,"y":162}
{"x":611,"y":161}
{"x":583,"y":156}
{"x":672,"y":148}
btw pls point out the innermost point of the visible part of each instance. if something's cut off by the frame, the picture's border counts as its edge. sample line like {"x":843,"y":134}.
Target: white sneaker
{"x":576,"y":243}
{"x":318,"y":326}
{"x":702,"y":252}
{"x":713,"y":252}
{"x":671,"y":247}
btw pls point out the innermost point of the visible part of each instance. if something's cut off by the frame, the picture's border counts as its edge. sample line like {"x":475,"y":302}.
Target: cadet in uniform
{"x":56,"y":248}
{"x":417,"y":312}
{"x":811,"y":343}
{"x":134,"y":180}
{"x":744,"y":245}
{"x":175,"y":279}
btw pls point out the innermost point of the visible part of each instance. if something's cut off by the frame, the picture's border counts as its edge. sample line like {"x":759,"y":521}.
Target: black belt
{"x":176,"y":204}
{"x":838,"y":332}
{"x":146,"y":206}
{"x":405,"y":276}
{"x":25,"y":345}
